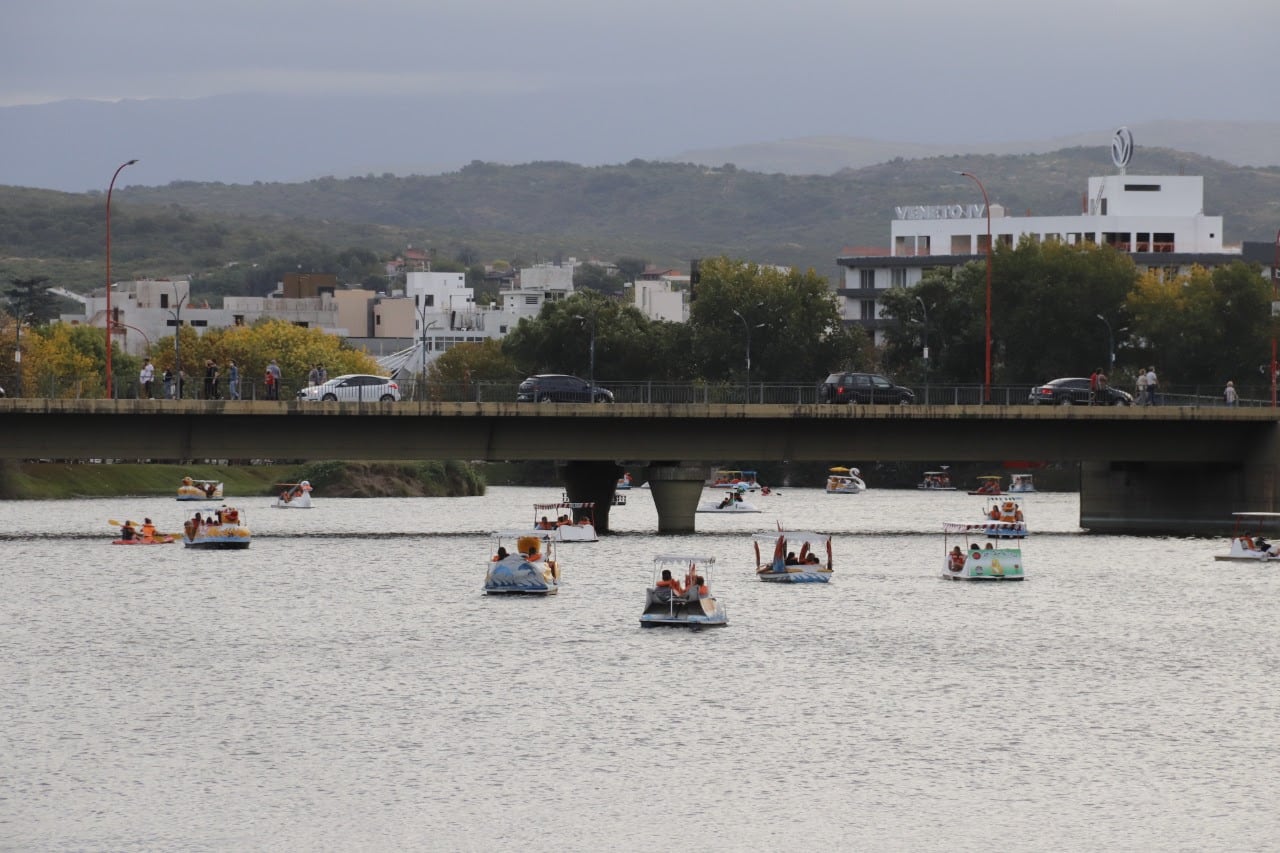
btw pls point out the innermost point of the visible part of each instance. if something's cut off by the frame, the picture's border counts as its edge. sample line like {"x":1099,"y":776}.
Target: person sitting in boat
{"x":501,"y":555}
{"x":230,"y":516}
{"x":128,"y":532}
{"x":1008,"y":511}
{"x":669,"y":583}
{"x":286,"y":496}
{"x":1017,"y":513}
{"x":994,"y":514}
{"x":210,"y":488}
{"x":791,"y":559}
{"x":989,"y":547}
{"x":813,"y":559}
{"x":957,"y":558}
{"x":148,"y":529}
{"x":545,"y":524}
{"x":728,"y":499}
{"x":700,"y":584}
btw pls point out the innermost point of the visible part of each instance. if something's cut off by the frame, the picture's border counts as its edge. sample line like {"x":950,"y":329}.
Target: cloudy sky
{"x":690,"y":72}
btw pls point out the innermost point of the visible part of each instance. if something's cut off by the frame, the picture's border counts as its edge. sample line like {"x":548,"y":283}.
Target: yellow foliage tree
{"x":64,"y":361}
{"x":295,"y":349}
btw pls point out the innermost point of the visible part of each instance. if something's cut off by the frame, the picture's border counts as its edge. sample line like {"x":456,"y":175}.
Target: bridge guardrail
{"x":658,"y":393}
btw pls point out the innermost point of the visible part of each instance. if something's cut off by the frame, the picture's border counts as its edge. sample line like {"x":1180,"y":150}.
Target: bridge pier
{"x":591,"y":481}
{"x":1176,"y":499}
{"x":676,"y":490}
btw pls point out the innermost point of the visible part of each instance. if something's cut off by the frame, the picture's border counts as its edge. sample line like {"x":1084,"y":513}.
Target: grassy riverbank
{"x":56,"y":480}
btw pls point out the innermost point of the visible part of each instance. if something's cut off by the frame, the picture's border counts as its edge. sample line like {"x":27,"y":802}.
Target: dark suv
{"x":863,"y":388}
{"x":1075,"y":392}
{"x":560,"y":388}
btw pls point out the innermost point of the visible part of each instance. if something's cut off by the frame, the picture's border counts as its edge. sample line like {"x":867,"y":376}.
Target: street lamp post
{"x":423,"y":325}
{"x":1111,"y":346}
{"x":748,"y":327}
{"x":986,"y":383}
{"x":591,"y":363}
{"x":924,"y":348}
{"x":110,"y":323}
{"x":1275,"y":294}
{"x":176,"y":314}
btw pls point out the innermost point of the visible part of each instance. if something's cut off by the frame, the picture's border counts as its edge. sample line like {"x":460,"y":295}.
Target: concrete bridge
{"x":1161,"y":469}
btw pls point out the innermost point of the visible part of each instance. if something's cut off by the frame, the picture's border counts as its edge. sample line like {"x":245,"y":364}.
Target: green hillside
{"x":665,"y":213}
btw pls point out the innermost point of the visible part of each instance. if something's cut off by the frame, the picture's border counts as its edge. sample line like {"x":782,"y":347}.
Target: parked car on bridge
{"x":561,"y":388}
{"x":863,"y":388}
{"x":1074,"y":391}
{"x":353,"y":388}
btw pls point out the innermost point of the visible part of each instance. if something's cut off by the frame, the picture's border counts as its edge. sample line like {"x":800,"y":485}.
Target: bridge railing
{"x":659,"y":393}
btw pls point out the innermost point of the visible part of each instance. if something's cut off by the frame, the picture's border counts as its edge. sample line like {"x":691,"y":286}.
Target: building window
{"x":1162,"y":242}
{"x":867,"y":279}
{"x":302,"y":324}
{"x":377,"y":320}
{"x":898,"y":278}
{"x":200,"y":323}
{"x":868,"y":309}
{"x":164,"y":300}
{"x":173,"y":322}
{"x":238,"y":320}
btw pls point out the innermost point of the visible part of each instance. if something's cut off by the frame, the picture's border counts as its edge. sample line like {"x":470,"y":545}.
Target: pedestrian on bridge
{"x":1229,"y":396}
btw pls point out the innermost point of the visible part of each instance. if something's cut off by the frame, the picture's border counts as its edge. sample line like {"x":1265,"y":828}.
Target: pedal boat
{"x":576,"y":525}
{"x":988,"y":484}
{"x":775,"y":568}
{"x":844,"y":481}
{"x":936,"y":481}
{"x":200,"y":490}
{"x":974,"y":561}
{"x":159,"y":539}
{"x":293,"y":496}
{"x":663,"y":608}
{"x":1004,"y":520}
{"x":1245,"y":535}
{"x":228,"y":532}
{"x":1021,"y":484}
{"x":531,"y":568}
{"x":731,"y":502}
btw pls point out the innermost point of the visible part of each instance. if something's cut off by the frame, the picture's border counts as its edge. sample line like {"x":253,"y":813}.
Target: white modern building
{"x":1158,"y":219}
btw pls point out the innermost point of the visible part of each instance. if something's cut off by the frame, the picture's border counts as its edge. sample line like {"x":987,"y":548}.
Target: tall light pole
{"x":924,"y":348}
{"x":110,"y":320}
{"x":177,"y":339}
{"x":591,"y":367}
{"x":748,"y":327}
{"x":1275,"y":294}
{"x":423,"y":325}
{"x":986,"y":203}
{"x":1111,"y":347}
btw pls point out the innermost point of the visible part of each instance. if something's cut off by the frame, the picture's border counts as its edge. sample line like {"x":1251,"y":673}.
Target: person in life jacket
{"x":148,"y":529}
{"x":668,"y":582}
{"x":1007,"y":511}
{"x":957,"y":558}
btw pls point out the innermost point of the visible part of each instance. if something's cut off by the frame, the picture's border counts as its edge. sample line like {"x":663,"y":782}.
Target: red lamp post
{"x":986,"y":382}
{"x":110,"y":324}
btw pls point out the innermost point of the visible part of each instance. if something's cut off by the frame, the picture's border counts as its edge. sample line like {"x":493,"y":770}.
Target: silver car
{"x":353,"y":388}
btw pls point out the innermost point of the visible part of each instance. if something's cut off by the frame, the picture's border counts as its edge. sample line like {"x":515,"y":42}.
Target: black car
{"x":560,"y":388}
{"x":863,"y":388}
{"x":1074,"y":391}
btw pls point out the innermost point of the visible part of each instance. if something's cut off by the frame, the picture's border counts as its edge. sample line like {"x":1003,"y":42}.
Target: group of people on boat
{"x":1258,"y":543}
{"x":129,"y":531}
{"x":958,"y":556}
{"x":692,"y":582}
{"x":561,"y":521}
{"x":1007,"y":511}
{"x":224,"y":515}
{"x":988,"y":486}
{"x":936,"y":481}
{"x":806,"y":558}
{"x":730,"y":498}
{"x":295,"y":491}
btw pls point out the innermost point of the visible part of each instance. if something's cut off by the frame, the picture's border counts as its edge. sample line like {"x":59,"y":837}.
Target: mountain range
{"x":74,"y":146}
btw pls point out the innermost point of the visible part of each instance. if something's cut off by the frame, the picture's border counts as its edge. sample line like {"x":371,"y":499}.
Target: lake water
{"x":344,"y":685}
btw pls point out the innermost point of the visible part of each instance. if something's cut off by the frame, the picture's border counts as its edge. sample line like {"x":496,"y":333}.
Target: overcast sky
{"x":740,"y":72}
